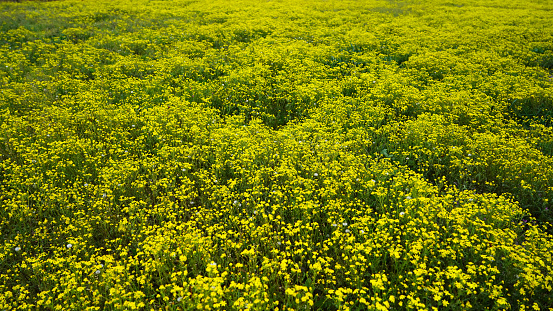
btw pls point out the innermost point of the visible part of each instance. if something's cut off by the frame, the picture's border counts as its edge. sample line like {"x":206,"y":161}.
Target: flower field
{"x":264,"y":155}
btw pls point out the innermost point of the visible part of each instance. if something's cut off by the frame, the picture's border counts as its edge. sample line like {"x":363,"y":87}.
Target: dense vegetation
{"x":253,"y":155}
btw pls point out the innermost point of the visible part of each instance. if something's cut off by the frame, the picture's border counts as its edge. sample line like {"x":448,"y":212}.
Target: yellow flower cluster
{"x":247,"y":155}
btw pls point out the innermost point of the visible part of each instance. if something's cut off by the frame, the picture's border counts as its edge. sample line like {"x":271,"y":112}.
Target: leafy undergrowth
{"x":246,"y":155}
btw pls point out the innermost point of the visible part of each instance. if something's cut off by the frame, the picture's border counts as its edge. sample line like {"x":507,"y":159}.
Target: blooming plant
{"x":259,"y":155}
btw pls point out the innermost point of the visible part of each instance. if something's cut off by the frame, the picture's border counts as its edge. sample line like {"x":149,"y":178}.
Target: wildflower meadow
{"x":276,"y":155}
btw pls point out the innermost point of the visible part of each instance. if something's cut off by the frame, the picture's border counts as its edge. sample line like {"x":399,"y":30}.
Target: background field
{"x":254,"y":155}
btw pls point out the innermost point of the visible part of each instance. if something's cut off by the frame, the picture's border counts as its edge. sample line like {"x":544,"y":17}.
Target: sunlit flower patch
{"x":224,"y":155}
